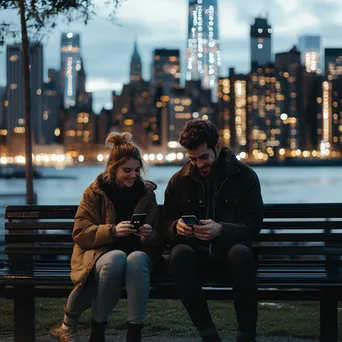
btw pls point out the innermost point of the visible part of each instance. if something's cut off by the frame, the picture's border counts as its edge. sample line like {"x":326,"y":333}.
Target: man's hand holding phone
{"x":207,"y":230}
{"x":183,"y":229}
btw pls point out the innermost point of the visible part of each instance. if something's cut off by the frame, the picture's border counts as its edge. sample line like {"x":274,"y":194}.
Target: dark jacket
{"x":236,"y":201}
{"x":92,"y":231}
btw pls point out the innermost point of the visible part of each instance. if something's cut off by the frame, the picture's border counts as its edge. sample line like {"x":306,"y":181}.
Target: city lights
{"x":283,"y":108}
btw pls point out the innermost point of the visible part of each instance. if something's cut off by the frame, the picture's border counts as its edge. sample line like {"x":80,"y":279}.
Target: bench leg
{"x":329,"y":324}
{"x":24,"y":314}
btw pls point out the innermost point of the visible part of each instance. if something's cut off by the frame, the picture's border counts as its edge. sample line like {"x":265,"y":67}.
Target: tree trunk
{"x":27,"y":102}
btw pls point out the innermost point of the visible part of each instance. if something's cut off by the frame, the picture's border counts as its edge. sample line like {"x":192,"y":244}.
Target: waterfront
{"x":279,"y":184}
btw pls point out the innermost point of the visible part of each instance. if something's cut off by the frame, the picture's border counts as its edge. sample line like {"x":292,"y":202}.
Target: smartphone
{"x":190,"y":220}
{"x":138,"y":220}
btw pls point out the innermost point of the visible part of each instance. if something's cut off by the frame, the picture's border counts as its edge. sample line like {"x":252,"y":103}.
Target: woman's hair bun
{"x":117,"y":139}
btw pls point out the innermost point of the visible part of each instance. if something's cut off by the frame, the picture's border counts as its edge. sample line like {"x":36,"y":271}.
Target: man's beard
{"x":209,"y":169}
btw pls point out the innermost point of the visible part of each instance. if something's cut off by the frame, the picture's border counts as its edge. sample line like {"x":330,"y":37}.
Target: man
{"x":224,"y":194}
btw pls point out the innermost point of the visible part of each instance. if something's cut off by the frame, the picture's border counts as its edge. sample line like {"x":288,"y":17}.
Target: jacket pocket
{"x":229,"y":207}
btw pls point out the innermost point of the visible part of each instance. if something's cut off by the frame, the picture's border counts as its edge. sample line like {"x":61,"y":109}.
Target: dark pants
{"x":189,"y":263}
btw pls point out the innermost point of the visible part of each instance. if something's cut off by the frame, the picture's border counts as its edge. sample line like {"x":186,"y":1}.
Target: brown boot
{"x":55,"y":331}
{"x":69,"y":335}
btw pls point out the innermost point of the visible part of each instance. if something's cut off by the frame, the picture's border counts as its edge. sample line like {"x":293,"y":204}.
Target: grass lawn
{"x":168,"y":318}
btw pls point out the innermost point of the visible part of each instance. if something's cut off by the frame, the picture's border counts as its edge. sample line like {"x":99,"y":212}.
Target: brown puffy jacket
{"x":92,"y":230}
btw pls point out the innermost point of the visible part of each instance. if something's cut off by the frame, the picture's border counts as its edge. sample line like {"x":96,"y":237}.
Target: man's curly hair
{"x":197,"y":132}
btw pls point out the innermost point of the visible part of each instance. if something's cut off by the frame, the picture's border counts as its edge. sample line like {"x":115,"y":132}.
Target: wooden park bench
{"x":299,"y":250}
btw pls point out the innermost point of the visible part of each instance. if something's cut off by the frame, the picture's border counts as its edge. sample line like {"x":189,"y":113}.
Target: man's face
{"x":203,"y":158}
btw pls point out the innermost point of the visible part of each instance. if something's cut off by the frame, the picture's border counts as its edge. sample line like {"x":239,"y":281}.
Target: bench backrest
{"x":295,"y":235}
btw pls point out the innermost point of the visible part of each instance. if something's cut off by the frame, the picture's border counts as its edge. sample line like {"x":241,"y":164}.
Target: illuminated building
{"x":260,"y":43}
{"x":289,"y":99}
{"x":179,"y":113}
{"x":224,"y":110}
{"x":79,"y":121}
{"x":263,"y":112}
{"x":329,"y":118}
{"x":333,"y":62}
{"x":336,"y":111}
{"x":310,"y":48}
{"x":232,"y":108}
{"x":70,"y":64}
{"x":15,"y":90}
{"x":312,"y":110}
{"x":136,"y":67}
{"x":166,"y":69}
{"x":201,"y":102}
{"x":203,"y":48}
{"x":165,"y":78}
{"x":133,"y":108}
{"x":52,"y":104}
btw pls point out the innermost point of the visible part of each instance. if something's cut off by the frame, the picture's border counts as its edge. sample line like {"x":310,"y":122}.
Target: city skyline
{"x":108,"y":69}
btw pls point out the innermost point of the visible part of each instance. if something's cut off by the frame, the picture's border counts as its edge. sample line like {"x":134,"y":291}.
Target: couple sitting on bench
{"x":213,"y":212}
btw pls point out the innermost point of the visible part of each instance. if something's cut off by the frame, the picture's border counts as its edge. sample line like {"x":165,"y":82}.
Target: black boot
{"x":134,"y":332}
{"x":97,"y":333}
{"x":245,"y":337}
{"x":212,"y":338}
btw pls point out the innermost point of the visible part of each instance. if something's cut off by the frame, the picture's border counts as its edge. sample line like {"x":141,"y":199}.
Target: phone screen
{"x":190,"y":220}
{"x":138,"y":220}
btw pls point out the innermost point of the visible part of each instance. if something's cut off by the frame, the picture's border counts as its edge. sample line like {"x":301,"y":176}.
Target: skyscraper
{"x":136,"y":68}
{"x":15,"y":90}
{"x":263,"y":112}
{"x":333,"y":62}
{"x":70,"y":64}
{"x":51,"y":120}
{"x":260,"y":34}
{"x":203,"y":48}
{"x":310,"y":48}
{"x":166,"y":69}
{"x":289,"y":100}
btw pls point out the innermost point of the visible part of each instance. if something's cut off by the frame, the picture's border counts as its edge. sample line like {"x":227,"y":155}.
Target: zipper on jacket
{"x":216,"y":196}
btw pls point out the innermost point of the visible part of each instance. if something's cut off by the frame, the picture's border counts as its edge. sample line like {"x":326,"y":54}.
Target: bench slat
{"x":284,"y":251}
{"x":288,"y":225}
{"x":300,"y":237}
{"x":39,"y":225}
{"x":294,"y":224}
{"x":333,"y":239}
{"x":278,"y":210}
{"x":31,"y":238}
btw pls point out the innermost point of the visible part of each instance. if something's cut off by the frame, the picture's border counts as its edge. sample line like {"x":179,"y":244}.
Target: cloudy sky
{"x":106,"y":48}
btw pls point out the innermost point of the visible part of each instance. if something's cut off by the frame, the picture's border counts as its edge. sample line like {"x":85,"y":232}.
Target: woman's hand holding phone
{"x":124,"y":228}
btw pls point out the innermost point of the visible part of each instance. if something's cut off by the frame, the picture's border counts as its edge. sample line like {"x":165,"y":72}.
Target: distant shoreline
{"x":287,"y":163}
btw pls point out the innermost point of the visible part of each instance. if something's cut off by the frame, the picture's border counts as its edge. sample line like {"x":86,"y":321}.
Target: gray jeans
{"x":112,"y":272}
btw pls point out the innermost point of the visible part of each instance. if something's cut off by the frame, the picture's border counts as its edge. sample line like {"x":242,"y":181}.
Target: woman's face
{"x":127,"y":173}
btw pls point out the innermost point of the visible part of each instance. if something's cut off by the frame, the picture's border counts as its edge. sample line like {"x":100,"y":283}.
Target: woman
{"x":109,"y":253}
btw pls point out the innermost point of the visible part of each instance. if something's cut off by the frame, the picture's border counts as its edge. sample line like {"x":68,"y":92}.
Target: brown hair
{"x":197,"y":132}
{"x":123,"y":148}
